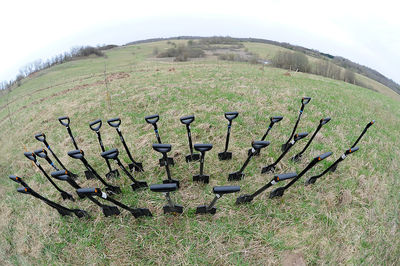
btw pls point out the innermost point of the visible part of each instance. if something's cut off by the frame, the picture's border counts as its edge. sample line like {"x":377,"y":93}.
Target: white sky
{"x":362,"y":31}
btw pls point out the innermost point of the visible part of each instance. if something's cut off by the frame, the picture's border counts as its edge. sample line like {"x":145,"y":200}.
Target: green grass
{"x":313,"y":221}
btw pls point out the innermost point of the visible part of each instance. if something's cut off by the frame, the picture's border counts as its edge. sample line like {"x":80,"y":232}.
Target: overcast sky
{"x":364,"y":32}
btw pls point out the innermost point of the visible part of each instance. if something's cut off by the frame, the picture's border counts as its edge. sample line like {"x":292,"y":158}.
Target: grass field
{"x":348,"y":217}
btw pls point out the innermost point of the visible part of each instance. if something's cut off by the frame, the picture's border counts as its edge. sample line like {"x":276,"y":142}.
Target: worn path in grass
{"x":350,"y":216}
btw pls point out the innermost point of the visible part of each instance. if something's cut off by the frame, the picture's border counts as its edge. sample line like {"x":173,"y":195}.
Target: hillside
{"x":348,"y":217}
{"x":312,"y":53}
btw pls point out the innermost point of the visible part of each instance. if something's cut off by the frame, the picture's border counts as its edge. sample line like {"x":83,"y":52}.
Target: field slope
{"x":348,"y":217}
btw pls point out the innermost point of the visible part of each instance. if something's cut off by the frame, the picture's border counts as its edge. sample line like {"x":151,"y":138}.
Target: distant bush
{"x":327,"y":69}
{"x":291,"y":60}
{"x":219,"y":40}
{"x":85,"y":51}
{"x":182,"y":53}
{"x":248,"y":57}
{"x":349,"y":76}
{"x":107,"y":47}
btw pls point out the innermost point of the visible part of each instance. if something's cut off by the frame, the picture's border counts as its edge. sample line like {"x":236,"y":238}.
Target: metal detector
{"x":171,"y":207}
{"x":152,"y":120}
{"x":278,"y":192}
{"x":277,"y":178}
{"x":136,"y":212}
{"x":80,"y":155}
{"x":257,"y":146}
{"x":226,"y":155}
{"x":95,"y":126}
{"x":202,"y":148}
{"x":187,"y":120}
{"x":322,"y":122}
{"x":65,"y":195}
{"x":42,"y":153}
{"x":304,"y":102}
{"x":115,"y":123}
{"x":271,"y":167}
{"x":164,"y":149}
{"x":313,"y":179}
{"x":113,"y":155}
{"x":219,"y":192}
{"x":333,"y":169}
{"x":273,"y":119}
{"x":42,"y":138}
{"x":61,"y":209}
{"x":64,"y":120}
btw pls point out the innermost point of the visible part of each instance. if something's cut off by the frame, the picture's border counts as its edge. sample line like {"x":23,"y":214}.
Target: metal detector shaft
{"x":103,"y":149}
{"x":309,"y":166}
{"x":329,"y":168}
{"x":304,"y":101}
{"x":203,"y":154}
{"x":49,"y":202}
{"x":267,"y":132}
{"x":228,"y":136}
{"x":309,"y":142}
{"x":126,"y":147}
{"x":363,"y":132}
{"x":167,"y":166}
{"x":48,"y":178}
{"x":91,"y":169}
{"x":157,"y":135}
{"x":295,"y":126}
{"x":246,"y":163}
{"x":189,"y":134}
{"x":72,"y":137}
{"x":262,"y":189}
{"x":126,"y":171}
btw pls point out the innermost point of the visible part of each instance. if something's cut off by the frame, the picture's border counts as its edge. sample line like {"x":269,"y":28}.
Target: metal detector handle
{"x":152,"y":119}
{"x":282,"y":177}
{"x":18,"y":180}
{"x":187,"y":120}
{"x":24,"y":190}
{"x":231,"y":115}
{"x":370,"y":123}
{"x":323,"y":156}
{"x":351,"y":150}
{"x":203,"y":147}
{"x":275,"y":119}
{"x":162,"y":148}
{"x":64,"y":120}
{"x":164,"y":187}
{"x":324,"y":121}
{"x":90,"y":191}
{"x":258,"y":144}
{"x":305,"y":100}
{"x":41,"y":137}
{"x":42,"y":153}
{"x":114,"y":122}
{"x":31,"y":156}
{"x":221,"y":190}
{"x":76,"y":154}
{"x":95,"y":125}
{"x":110,"y":154}
{"x":300,"y":136}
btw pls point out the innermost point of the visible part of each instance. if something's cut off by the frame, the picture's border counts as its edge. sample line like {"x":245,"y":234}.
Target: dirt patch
{"x":118,"y":75}
{"x":114,"y":76}
{"x":292,"y":258}
{"x":345,"y":197}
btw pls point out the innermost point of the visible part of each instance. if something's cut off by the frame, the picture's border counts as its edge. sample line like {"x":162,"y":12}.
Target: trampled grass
{"x":348,"y":217}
